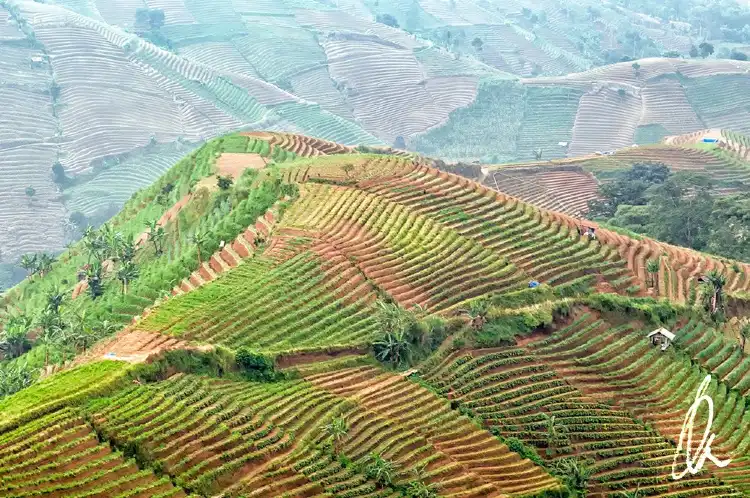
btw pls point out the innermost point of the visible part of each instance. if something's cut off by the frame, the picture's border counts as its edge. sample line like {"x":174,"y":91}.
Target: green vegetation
{"x":680,"y":208}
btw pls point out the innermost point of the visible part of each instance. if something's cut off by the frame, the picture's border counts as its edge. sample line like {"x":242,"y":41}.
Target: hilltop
{"x":100,"y":98}
{"x":305,"y":318}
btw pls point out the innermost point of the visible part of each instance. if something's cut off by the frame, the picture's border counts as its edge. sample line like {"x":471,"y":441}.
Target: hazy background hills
{"x":99,"y":98}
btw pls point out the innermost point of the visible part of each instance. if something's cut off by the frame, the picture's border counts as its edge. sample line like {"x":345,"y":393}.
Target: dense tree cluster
{"x":679,"y":208}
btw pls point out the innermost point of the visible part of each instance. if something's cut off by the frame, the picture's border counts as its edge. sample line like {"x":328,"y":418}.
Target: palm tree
{"x":551,"y":428}
{"x":126,"y":274}
{"x":575,"y":473}
{"x":199,"y":239}
{"x":29,"y":263}
{"x":156,"y":235}
{"x":14,"y":340}
{"x":418,"y":489}
{"x":380,"y":470}
{"x":44,"y":263}
{"x":393,"y":348}
{"x":94,"y":279}
{"x":652,"y":267}
{"x":393,"y":318}
{"x":50,"y":336}
{"x":82,"y":334}
{"x":713,"y":296}
{"x":336,"y":430}
{"x":55,"y":298}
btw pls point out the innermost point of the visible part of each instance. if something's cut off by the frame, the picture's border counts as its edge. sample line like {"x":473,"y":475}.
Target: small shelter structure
{"x":662,"y":337}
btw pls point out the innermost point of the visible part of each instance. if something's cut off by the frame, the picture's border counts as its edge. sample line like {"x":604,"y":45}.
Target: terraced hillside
{"x":567,"y":185}
{"x":319,"y":321}
{"x":111,"y":98}
{"x":599,"y":383}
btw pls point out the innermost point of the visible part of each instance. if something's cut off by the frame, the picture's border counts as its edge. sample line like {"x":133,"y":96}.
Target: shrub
{"x":255,"y":366}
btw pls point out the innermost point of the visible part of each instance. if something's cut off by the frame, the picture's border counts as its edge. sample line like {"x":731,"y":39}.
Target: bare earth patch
{"x":233,"y":164}
{"x":135,"y":346}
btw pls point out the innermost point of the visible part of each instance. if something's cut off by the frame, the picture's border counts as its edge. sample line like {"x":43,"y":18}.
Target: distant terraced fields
{"x":81,"y":89}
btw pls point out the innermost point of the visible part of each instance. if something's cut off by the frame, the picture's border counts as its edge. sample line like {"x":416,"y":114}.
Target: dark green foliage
{"x":526,"y":451}
{"x":628,"y":188}
{"x":216,"y":363}
{"x":738,"y":56}
{"x":655,"y":312}
{"x":255,"y":366}
{"x":224,"y":182}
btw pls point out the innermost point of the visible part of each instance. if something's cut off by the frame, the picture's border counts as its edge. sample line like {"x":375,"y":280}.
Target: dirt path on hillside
{"x":135,"y":346}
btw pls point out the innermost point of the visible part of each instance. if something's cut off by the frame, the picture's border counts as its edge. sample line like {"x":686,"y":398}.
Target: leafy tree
{"x":477,"y":44}
{"x":379,"y":469}
{"x":399,"y":143}
{"x":636,"y":69}
{"x":224,"y":182}
{"x":738,"y":56}
{"x":347,"y":169}
{"x":30,"y":193}
{"x":628,"y":188}
{"x":58,"y":174}
{"x":693,"y":51}
{"x":706,"y":49}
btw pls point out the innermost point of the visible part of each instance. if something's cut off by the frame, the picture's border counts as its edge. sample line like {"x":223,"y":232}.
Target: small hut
{"x":661,"y":336}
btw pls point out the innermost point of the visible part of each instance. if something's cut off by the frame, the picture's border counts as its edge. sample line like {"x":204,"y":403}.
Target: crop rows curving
{"x":618,"y":362}
{"x":515,"y":391}
{"x":60,"y":455}
{"x":411,"y":426}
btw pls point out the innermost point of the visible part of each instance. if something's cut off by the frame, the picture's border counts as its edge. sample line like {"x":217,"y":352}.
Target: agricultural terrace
{"x":587,"y":390}
{"x":207,"y":435}
{"x":258,"y":380}
{"x":368,"y":226}
{"x":163,"y":233}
